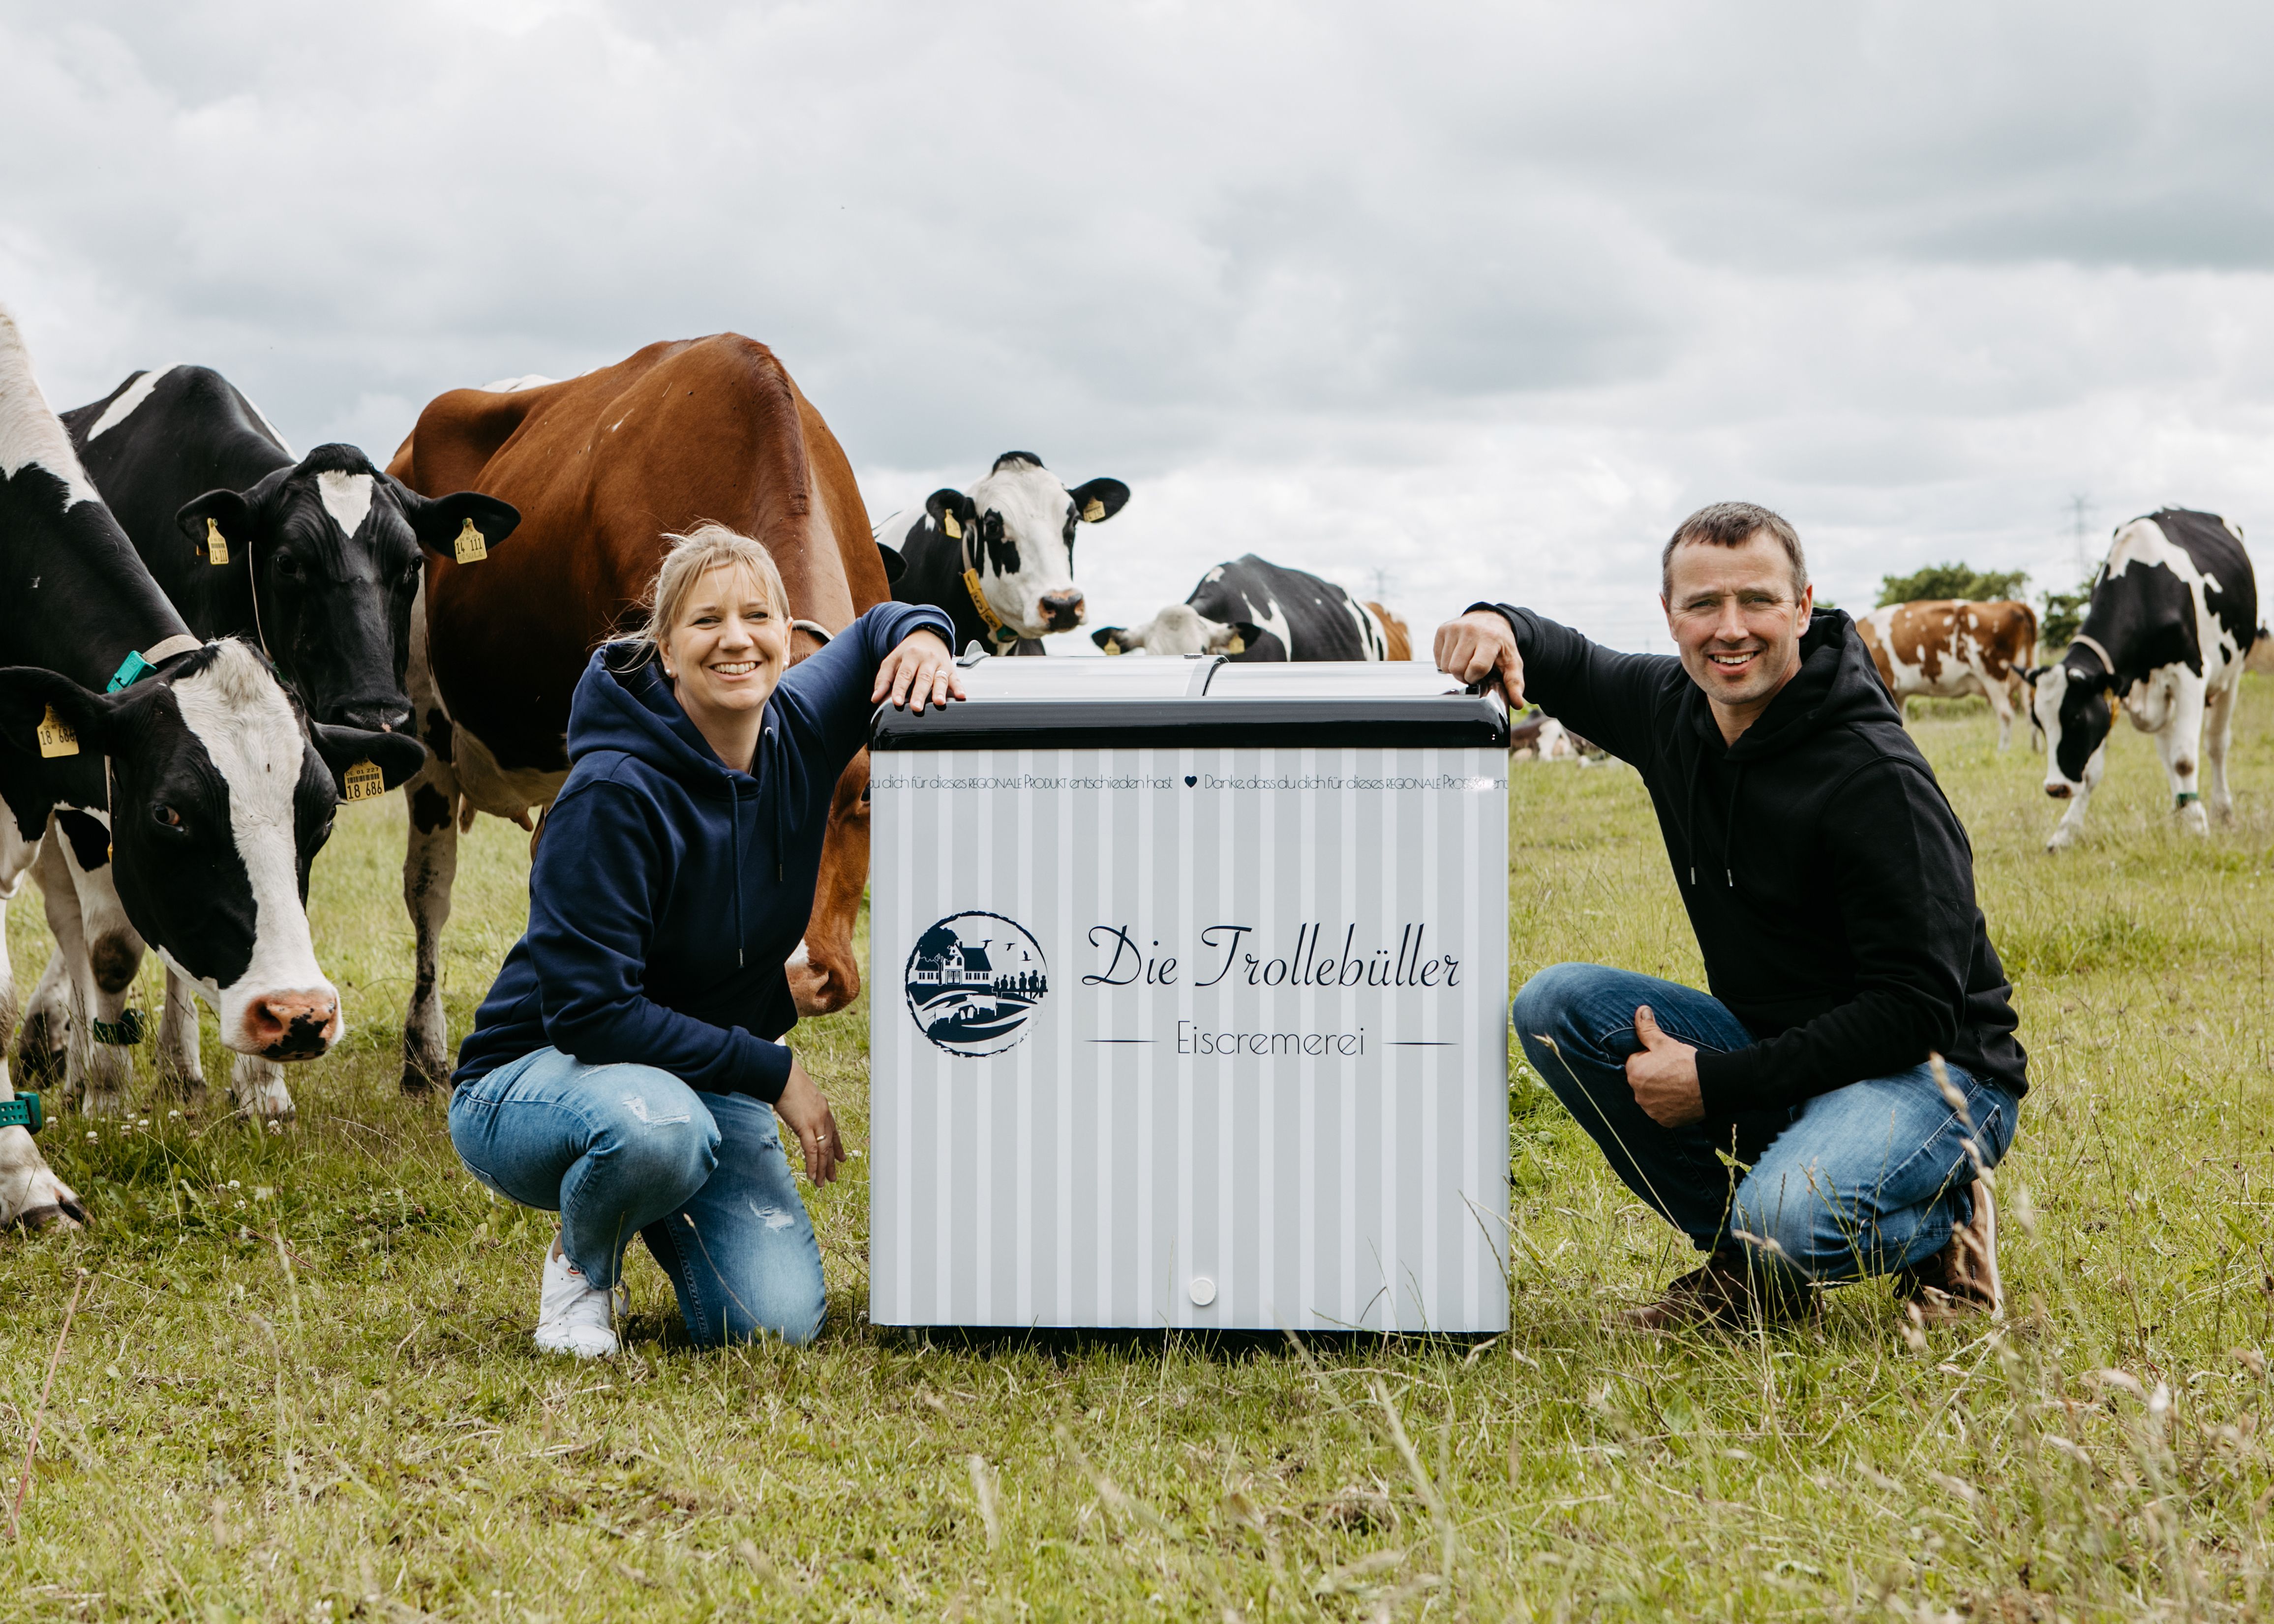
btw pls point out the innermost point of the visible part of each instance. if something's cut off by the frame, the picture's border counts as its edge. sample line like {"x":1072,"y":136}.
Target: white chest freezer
{"x":1187,"y":999}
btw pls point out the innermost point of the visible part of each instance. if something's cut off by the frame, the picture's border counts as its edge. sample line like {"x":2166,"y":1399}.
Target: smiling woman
{"x":626,"y":1069}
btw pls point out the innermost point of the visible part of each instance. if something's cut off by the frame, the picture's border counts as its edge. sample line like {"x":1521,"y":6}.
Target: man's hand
{"x":922,"y":668}
{"x":1663,"y":1074}
{"x":807,"y":1116}
{"x":1478,"y":644}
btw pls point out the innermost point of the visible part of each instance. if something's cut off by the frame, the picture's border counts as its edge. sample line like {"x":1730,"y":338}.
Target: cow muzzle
{"x":1062,"y":611}
{"x":292,"y":1025}
{"x":372,"y":716}
{"x":2060,"y":789}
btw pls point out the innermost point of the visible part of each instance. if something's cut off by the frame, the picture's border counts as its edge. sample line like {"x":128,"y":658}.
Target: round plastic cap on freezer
{"x":1203,"y":1290}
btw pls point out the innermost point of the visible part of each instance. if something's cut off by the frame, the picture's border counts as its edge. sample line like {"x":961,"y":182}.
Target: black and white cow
{"x":2174,"y":613}
{"x":170,"y":790}
{"x":999,"y":560}
{"x":1253,"y":609}
{"x":318,"y":560}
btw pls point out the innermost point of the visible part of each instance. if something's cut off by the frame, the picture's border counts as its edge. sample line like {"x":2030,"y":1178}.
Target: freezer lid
{"x":1200,"y":702}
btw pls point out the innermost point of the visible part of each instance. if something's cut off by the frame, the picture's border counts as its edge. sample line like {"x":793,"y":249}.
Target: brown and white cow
{"x":601,"y":467}
{"x":1948,"y":647}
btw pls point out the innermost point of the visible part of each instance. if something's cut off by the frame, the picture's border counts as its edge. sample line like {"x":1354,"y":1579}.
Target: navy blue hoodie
{"x":670,"y":890}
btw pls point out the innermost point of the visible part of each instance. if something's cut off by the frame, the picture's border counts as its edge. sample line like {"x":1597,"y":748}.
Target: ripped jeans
{"x":623,"y":1149}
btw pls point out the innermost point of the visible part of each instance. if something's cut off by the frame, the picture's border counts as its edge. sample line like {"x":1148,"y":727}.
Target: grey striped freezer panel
{"x":1203,"y":1142}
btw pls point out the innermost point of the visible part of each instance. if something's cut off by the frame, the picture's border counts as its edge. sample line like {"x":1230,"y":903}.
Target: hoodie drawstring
{"x":1729,"y":828}
{"x":1690,"y":815}
{"x":1728,"y":822}
{"x":781,"y":821}
{"x":735,"y":794}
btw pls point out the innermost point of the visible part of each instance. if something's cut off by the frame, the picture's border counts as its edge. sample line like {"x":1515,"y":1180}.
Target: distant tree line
{"x":2058,"y":613}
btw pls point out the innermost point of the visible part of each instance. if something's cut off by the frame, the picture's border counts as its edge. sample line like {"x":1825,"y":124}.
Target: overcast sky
{"x":1482,"y":297}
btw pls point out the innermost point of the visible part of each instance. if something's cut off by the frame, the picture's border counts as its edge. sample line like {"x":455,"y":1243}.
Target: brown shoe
{"x":1962,"y":1278}
{"x":1725,"y":1293}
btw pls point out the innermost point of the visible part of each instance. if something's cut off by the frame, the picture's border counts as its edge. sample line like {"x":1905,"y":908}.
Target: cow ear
{"x":223,"y":513}
{"x":895,"y":566}
{"x":951,"y":511}
{"x":441,"y":523}
{"x":1113,"y":639}
{"x":33,"y":701}
{"x":1096,"y":501}
{"x":398,"y":756}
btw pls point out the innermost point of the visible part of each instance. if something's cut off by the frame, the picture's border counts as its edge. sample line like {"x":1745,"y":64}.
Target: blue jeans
{"x":1860,"y":1180}
{"x":623,"y":1149}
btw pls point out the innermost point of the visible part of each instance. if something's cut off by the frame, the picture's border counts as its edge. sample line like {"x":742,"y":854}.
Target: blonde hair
{"x":708,"y":547}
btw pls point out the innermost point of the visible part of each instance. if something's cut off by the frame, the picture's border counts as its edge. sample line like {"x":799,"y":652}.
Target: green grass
{"x":299,"y":1383}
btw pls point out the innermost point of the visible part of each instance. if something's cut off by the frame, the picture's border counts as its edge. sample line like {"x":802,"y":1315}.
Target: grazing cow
{"x":188,"y":789}
{"x":316,"y":560}
{"x":1949,"y":646}
{"x":601,"y":468}
{"x":1252,"y":609}
{"x":2172,"y":615}
{"x":1000,"y":560}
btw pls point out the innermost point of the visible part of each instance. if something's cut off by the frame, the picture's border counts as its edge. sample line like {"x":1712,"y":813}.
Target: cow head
{"x":221,"y":792}
{"x":335,"y":551}
{"x":2072,"y":703}
{"x":1017,"y":527}
{"x":1178,"y":629}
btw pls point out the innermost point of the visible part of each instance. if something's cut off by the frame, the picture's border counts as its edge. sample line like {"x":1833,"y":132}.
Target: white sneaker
{"x":573,"y":1317}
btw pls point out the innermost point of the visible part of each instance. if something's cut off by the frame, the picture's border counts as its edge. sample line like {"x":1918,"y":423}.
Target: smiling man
{"x":1790,"y":1122}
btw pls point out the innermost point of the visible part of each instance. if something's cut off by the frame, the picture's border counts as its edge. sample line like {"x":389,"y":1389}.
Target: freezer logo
{"x":974,"y":982}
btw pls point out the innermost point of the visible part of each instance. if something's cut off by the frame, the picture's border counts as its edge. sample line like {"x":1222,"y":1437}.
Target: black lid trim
{"x":1441,"y":721}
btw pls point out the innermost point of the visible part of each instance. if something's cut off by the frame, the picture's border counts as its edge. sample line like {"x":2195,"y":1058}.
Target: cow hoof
{"x":415,"y":1083}
{"x":107,"y":1104}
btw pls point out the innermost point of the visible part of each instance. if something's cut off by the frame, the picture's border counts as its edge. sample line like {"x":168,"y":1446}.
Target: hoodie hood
{"x":625,"y":704}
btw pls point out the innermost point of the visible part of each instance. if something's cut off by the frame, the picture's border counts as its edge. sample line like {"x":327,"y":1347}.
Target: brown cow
{"x":1947,"y":647}
{"x":1400,"y":641}
{"x":601,"y":467}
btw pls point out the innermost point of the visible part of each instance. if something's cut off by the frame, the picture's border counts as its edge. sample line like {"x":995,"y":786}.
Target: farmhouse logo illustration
{"x":974,"y":982}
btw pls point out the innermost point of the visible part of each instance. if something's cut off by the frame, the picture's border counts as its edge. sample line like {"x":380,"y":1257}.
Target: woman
{"x":625,"y":1070}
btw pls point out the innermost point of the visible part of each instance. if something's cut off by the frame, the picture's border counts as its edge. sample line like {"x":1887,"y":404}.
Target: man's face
{"x":1736,"y":620}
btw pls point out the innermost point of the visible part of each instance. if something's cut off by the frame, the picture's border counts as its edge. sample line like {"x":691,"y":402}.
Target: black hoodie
{"x":1829,"y":885}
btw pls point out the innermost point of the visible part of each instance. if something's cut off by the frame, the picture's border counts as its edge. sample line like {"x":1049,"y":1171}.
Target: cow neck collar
{"x":2094,"y":644}
{"x":998,"y":635}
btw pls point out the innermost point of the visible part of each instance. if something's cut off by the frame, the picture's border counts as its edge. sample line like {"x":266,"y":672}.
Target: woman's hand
{"x":922,"y":669}
{"x":807,"y":1116}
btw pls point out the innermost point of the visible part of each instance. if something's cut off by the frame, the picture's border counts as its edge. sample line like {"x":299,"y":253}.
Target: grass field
{"x":299,"y":1382}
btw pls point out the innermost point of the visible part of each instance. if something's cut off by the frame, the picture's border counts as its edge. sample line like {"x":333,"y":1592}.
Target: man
{"x":1831,"y":888}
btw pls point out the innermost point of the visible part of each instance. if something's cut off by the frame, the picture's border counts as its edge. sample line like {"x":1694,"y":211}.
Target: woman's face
{"x":729,"y":647}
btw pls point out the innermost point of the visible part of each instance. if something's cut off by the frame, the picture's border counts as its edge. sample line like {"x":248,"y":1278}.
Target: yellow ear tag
{"x":363,"y":781}
{"x":216,"y":544}
{"x":1238,"y":645}
{"x":55,"y":735}
{"x":1111,"y":646}
{"x":472,"y":548}
{"x":952,"y":525}
{"x":1096,"y":511}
